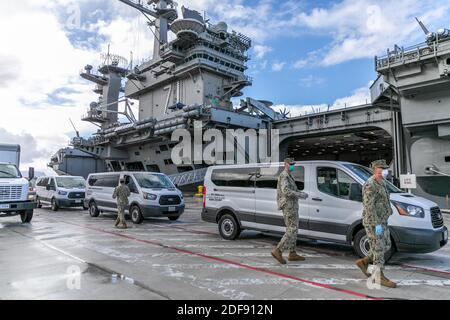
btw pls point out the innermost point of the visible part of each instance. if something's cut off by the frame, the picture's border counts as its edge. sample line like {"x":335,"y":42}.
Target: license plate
{"x":172,"y":209}
{"x":445,"y":235}
{"x":4,"y":206}
{"x":77,"y":201}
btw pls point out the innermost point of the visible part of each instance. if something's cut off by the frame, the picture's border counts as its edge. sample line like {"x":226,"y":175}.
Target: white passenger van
{"x":60,"y":192}
{"x":152,"y":195}
{"x":241,"y":197}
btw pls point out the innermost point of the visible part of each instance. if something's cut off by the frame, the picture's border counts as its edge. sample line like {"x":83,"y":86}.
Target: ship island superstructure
{"x":193,"y":77}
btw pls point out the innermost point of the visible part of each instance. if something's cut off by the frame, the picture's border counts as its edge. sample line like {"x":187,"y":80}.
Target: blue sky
{"x":306,"y":54}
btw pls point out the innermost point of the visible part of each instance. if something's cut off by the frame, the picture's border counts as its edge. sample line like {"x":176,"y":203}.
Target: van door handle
{"x":316,"y":199}
{"x":234,"y":190}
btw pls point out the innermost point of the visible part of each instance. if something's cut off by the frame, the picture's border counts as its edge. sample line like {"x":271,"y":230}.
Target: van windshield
{"x":9,"y":171}
{"x":71,"y":182}
{"x":365,"y":173}
{"x":152,"y":181}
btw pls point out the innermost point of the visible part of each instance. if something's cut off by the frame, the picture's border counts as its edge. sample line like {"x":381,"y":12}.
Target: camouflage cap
{"x":379,"y":164}
{"x":289,"y":160}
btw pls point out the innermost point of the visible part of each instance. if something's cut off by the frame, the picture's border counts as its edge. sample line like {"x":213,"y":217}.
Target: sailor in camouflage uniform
{"x":121,"y":193}
{"x":287,"y":200}
{"x":376,"y":212}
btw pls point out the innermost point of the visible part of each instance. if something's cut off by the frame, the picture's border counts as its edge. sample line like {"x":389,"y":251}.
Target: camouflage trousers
{"x":120,"y":221}
{"x":289,"y":240}
{"x":379,"y":244}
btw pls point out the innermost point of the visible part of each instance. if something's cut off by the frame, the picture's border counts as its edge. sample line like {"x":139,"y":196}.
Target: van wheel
{"x":174,"y":218}
{"x":93,"y":210}
{"x":26,"y":216}
{"x":54,"y":205}
{"x":136,"y":215}
{"x":229,"y":227}
{"x":38,"y":201}
{"x":361,"y":246}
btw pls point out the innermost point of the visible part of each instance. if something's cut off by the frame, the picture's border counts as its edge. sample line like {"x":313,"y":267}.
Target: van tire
{"x":360,"y":244}
{"x":136,"y":215}
{"x":38,"y":201}
{"x":93,"y":210}
{"x":174,"y":218}
{"x":26,"y":216}
{"x":229,"y":227}
{"x":54,"y":205}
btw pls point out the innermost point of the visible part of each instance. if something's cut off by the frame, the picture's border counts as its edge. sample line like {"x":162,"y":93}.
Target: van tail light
{"x":204,"y":196}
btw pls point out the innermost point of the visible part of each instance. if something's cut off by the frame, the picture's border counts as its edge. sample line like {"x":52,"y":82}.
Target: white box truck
{"x":16,"y":195}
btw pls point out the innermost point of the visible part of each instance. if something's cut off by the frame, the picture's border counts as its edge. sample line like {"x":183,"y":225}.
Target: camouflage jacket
{"x":122,"y":192}
{"x":376,"y":203}
{"x":286,"y":190}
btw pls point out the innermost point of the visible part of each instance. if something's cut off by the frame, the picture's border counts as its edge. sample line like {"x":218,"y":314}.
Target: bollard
{"x":199,"y":191}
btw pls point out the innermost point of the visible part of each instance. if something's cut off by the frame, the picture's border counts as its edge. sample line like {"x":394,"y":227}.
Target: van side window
{"x":299,"y":176}
{"x":327,"y":181}
{"x":131,"y":185}
{"x":93,"y":181}
{"x":338,"y":183}
{"x":110,"y":181}
{"x":39,"y":182}
{"x":267,"y":178}
{"x":234,"y":177}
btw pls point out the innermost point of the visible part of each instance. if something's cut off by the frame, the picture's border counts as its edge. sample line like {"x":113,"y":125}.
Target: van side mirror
{"x":30,"y":173}
{"x":47,"y":188}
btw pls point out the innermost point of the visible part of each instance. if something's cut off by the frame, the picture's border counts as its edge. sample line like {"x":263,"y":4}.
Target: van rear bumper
{"x":418,"y":240}
{"x":159,"y":211}
{"x":16,"y":207}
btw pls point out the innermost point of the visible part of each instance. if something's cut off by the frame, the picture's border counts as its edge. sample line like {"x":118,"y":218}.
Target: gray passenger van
{"x":152,"y":195}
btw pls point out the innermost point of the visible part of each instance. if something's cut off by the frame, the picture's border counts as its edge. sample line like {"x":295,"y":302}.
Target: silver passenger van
{"x":60,"y":191}
{"x":152,"y":195}
{"x":241,"y":197}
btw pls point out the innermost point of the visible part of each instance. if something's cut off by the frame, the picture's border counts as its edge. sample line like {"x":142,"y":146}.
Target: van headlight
{"x":409,"y":210}
{"x":149,"y":196}
{"x":62,"y":193}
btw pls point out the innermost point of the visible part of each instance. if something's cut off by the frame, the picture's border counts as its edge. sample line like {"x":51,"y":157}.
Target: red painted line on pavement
{"x":425,"y":269}
{"x":188,"y":230}
{"x":314,"y":249}
{"x":230,"y":262}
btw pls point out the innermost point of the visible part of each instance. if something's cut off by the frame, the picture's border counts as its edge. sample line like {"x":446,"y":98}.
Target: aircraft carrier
{"x":195,"y":77}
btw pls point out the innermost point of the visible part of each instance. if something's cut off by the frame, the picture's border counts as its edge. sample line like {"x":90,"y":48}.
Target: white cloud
{"x":364,"y":28}
{"x":40,"y":87}
{"x":261,"y":51}
{"x":300,"y":110}
{"x":278,"y":66}
{"x":358,"y":97}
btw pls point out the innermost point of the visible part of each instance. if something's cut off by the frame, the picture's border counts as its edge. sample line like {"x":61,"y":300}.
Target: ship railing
{"x":189,"y":177}
{"x":403,"y":55}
